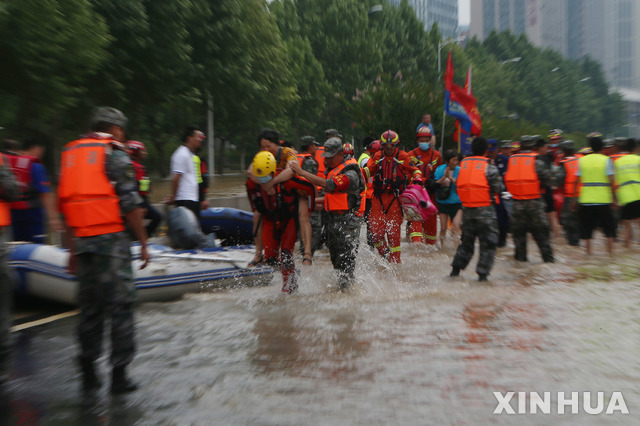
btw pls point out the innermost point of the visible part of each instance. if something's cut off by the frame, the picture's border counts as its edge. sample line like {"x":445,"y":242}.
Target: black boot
{"x":120,"y":383}
{"x":90,"y":381}
{"x":455,"y":272}
{"x":482,"y":277}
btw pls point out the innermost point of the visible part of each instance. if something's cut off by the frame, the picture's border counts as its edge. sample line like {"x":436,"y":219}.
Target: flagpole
{"x":444,"y":115}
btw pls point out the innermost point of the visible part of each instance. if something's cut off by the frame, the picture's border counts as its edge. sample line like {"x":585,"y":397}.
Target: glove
{"x":506,"y":195}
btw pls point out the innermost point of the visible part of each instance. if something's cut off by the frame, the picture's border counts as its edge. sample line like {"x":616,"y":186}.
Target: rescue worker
{"x":9,"y":191}
{"x":97,"y":188}
{"x":278,"y":211}
{"x":306,"y":158}
{"x":479,"y":184}
{"x":525,"y":176}
{"x":596,"y":180}
{"x":28,"y":210}
{"x":547,"y":157}
{"x":567,"y":177}
{"x":348,"y":151}
{"x":627,"y":179}
{"x":370,"y":148}
{"x":503,"y":208}
{"x":392,"y":170}
{"x":427,"y":159}
{"x":342,"y":200}
{"x":138,"y":153}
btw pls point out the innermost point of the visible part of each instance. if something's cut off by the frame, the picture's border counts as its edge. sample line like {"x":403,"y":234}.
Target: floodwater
{"x":407,"y":345}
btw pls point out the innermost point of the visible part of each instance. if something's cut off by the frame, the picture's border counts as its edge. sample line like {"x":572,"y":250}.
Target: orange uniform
{"x":391,"y":174}
{"x":427,"y":161}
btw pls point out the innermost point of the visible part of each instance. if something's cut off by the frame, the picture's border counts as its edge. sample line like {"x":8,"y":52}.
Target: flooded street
{"x":408,"y":345}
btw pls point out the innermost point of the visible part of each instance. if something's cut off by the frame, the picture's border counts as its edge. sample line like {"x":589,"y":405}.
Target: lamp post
{"x":210,"y":135}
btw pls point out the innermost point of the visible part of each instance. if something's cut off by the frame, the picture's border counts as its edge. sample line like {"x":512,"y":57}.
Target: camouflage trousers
{"x":569,"y":221}
{"x":5,"y":307}
{"x":480,"y":223}
{"x":318,"y":231}
{"x":529,"y":217}
{"x":343,"y":238}
{"x":106,"y":290}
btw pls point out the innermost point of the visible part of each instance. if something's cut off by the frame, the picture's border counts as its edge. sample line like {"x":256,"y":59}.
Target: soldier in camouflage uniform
{"x":567,"y":176}
{"x":478,"y":183}
{"x":8,"y":192}
{"x":526,"y":175}
{"x":343,"y":186}
{"x":101,"y":257}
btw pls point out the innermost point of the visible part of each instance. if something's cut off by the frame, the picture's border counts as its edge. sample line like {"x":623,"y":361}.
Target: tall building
{"x":442,"y":12}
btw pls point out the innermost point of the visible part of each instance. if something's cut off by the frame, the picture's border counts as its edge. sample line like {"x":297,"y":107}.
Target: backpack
{"x":416,"y":204}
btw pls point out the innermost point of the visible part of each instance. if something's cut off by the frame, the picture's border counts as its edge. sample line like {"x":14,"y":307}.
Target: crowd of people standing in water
{"x":531,"y":186}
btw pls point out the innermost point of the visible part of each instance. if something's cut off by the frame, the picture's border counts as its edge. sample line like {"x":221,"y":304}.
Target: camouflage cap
{"x":308,"y":140}
{"x":331,"y":147}
{"x":506,"y":144}
{"x":329,"y":133}
{"x":109,"y":115}
{"x":566,"y":145}
{"x":527,"y":141}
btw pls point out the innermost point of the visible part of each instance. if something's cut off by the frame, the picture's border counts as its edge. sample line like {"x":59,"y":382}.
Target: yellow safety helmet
{"x":264,"y":163}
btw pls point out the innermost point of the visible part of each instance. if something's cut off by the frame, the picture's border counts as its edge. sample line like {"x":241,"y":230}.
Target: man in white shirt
{"x":184,"y":182}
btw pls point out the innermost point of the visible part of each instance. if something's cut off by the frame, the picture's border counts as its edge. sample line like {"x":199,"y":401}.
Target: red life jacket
{"x":5,"y":211}
{"x":281,"y":206}
{"x":390,"y":178}
{"x":21,"y":166}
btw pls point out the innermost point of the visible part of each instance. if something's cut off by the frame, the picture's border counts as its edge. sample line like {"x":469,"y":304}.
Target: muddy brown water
{"x":407,"y":345}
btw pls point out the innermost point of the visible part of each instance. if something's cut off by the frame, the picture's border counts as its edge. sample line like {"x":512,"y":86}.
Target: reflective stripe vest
{"x":521,"y":177}
{"x":570,"y":165}
{"x":21,"y":166}
{"x":196,"y":162}
{"x":144,"y":183}
{"x":627,"y":178}
{"x":5,"y":210}
{"x":87,"y":199}
{"x":302,"y":156}
{"x":472,"y":184}
{"x":343,"y":201}
{"x":596,"y":188}
{"x":364,"y":158}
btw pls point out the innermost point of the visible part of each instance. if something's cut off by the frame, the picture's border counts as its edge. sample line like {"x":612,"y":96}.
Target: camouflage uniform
{"x":480,"y":222}
{"x":569,"y":217}
{"x":529,"y":216}
{"x":8,"y":191}
{"x":106,"y":277}
{"x":343,"y":231}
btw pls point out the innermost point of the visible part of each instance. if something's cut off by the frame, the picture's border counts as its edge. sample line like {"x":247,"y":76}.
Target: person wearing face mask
{"x":392,"y":170}
{"x":427,"y":159}
{"x":278,"y":210}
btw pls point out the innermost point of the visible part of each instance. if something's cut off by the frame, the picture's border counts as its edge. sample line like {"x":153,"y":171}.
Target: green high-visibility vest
{"x":596,"y":187}
{"x":196,"y":161}
{"x":627,"y":177}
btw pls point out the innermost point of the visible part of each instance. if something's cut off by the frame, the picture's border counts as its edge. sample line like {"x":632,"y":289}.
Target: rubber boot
{"x":482,"y":277}
{"x":455,"y":272}
{"x":90,"y":381}
{"x":120,"y":383}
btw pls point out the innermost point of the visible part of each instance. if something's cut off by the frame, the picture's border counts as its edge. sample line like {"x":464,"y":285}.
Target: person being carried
{"x":278,"y":211}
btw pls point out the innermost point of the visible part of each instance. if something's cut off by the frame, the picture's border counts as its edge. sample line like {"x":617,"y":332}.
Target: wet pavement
{"x":408,"y":345}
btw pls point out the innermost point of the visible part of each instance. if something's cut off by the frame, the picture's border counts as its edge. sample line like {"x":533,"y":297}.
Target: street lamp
{"x":555,"y":69}
{"x":443,"y":44}
{"x":584,"y":79}
{"x":506,"y":61}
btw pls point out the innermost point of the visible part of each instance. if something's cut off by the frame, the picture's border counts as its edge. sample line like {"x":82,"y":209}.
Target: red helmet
{"x":347,"y":148}
{"x":390,"y":137}
{"x":424,"y":131}
{"x":374,"y":146}
{"x":136,"y":146}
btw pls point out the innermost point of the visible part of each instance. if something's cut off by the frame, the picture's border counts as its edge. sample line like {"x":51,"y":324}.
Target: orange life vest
{"x":302,"y":156}
{"x":521,"y":178}
{"x":342,"y":201}
{"x":320,"y":159}
{"x":570,"y":165}
{"x":5,"y":210}
{"x":87,"y":199}
{"x":472,"y":184}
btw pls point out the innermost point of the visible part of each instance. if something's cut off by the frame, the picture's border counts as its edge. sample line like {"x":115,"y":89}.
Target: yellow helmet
{"x":264,"y":163}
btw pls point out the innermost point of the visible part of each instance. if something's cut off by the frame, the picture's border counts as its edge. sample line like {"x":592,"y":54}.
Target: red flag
{"x":474,"y":113}
{"x":448,"y":74}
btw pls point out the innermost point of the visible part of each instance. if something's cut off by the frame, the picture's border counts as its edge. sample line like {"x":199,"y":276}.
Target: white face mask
{"x":424,"y":146}
{"x":264,"y":179}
